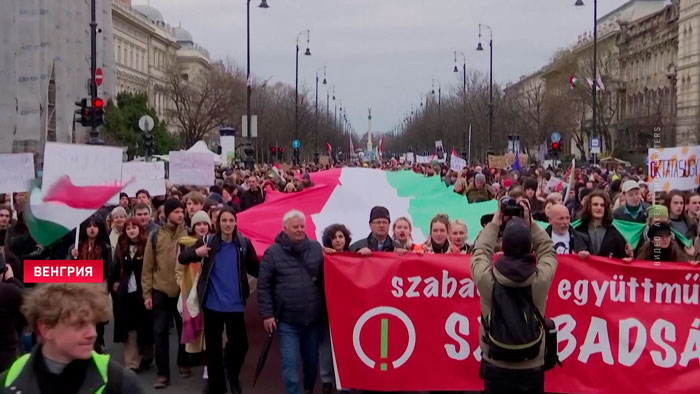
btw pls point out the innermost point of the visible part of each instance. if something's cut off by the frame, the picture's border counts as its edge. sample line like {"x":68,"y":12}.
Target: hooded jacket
{"x":485,"y":274}
{"x":159,"y":265}
{"x":613,"y":244}
{"x":286,"y":290}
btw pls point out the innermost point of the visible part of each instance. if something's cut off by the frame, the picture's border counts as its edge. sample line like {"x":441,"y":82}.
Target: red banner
{"x":411,"y":323}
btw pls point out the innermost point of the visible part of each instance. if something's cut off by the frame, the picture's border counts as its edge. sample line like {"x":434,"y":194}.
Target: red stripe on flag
{"x":63,"y":191}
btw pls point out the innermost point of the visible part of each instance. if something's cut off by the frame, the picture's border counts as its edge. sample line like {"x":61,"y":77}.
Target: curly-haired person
{"x":64,"y":317}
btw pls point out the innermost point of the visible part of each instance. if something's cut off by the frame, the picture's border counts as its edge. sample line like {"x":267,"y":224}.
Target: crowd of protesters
{"x":179,"y":258}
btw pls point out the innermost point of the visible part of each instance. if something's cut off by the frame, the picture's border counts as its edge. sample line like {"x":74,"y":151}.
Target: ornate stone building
{"x":146,"y":47}
{"x":688,"y":73}
{"x":647,"y":98}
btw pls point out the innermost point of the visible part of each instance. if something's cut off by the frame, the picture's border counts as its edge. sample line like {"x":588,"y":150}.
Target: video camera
{"x":510,"y":207}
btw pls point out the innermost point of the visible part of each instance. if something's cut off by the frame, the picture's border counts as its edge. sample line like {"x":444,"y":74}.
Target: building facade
{"x":147,"y":49}
{"x":687,"y":73}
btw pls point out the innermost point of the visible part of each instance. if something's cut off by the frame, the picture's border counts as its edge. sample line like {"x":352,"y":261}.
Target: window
{"x":119,"y":53}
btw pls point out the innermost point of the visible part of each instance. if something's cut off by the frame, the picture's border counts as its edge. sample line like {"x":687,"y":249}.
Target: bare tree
{"x":203,"y":103}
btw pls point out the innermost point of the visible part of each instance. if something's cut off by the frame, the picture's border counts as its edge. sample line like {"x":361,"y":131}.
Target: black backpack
{"x":514,"y":329}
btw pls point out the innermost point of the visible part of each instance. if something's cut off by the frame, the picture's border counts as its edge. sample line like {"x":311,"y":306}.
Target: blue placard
{"x":296,"y":144}
{"x":556,"y":137}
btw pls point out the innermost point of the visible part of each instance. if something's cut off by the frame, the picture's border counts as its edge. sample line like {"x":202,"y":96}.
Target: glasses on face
{"x":381,"y":222}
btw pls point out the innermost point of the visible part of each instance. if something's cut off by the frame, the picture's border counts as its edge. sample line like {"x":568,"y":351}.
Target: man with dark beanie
{"x":378,"y":240}
{"x":518,"y":273}
{"x":160,"y":290}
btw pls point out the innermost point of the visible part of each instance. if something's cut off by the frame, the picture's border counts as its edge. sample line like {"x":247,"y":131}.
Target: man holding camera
{"x":513,"y":299}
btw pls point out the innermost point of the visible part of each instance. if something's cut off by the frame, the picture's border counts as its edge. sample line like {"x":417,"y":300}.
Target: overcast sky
{"x":383,"y":53}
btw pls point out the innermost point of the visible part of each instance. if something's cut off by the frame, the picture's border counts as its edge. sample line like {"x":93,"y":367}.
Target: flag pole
{"x":77,"y":236}
{"x":469,"y":154}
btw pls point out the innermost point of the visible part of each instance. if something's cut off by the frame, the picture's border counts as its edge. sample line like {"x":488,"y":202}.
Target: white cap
{"x":629,"y":185}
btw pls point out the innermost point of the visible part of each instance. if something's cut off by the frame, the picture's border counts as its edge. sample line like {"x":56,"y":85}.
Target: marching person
{"x":632,"y":208}
{"x":118,"y":219}
{"x":403,"y":239}
{"x":596,"y":222}
{"x":565,"y":238}
{"x":133,"y":323}
{"x":94,"y":245}
{"x":438,"y":242}
{"x":64,"y":317}
{"x":160,"y":290}
{"x":519,"y":274}
{"x":378,"y":240}
{"x":660,"y":246}
{"x":479,"y":190}
{"x":458,"y":237}
{"x":253,"y":196}
{"x":336,"y":239}
{"x":142,"y":212}
{"x":222,"y":290}
{"x":291,"y":300}
{"x":10,"y":315}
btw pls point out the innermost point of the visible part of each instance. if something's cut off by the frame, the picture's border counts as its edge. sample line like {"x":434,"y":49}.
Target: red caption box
{"x":63,"y":271}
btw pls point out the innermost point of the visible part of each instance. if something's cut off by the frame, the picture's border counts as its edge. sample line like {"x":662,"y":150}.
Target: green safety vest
{"x":101,"y":362}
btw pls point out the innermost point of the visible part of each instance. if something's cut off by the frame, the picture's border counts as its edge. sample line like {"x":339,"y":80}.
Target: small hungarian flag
{"x":573,"y":81}
{"x":56,"y":211}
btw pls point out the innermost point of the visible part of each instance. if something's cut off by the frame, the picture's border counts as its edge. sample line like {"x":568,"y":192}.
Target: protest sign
{"x":148,"y":176}
{"x":506,"y":161}
{"x":674,"y":168}
{"x":324,"y":160}
{"x":634,"y":324}
{"x":457,"y":163}
{"x":19,"y":174}
{"x":86,"y":165}
{"x":191,"y":168}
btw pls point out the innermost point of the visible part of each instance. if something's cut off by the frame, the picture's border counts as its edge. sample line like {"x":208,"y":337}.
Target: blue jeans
{"x":296,"y":340}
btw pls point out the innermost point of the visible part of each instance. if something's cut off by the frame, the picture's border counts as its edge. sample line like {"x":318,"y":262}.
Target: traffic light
{"x":148,"y":144}
{"x":273,"y":151}
{"x":83,"y":112}
{"x":556,"y":149}
{"x":98,"y":108}
{"x":280,"y":153}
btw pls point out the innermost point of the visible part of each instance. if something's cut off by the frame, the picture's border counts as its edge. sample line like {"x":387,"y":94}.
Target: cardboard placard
{"x":191,"y":168}
{"x":148,"y":176}
{"x":506,"y":161}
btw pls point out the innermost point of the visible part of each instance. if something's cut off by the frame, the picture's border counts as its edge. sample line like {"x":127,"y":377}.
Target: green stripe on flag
{"x":44,"y":232}
{"x":633,"y":232}
{"x":430,"y":196}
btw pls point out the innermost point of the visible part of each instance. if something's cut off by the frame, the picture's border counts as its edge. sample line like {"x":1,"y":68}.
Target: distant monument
{"x":369,"y":131}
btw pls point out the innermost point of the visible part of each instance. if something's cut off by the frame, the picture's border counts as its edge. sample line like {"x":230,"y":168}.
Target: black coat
{"x":250,"y":199}
{"x":248,"y":263}
{"x":371,"y":243}
{"x":286,"y":290}
{"x":613,"y":244}
{"x":128,"y":314}
{"x":578,"y":241}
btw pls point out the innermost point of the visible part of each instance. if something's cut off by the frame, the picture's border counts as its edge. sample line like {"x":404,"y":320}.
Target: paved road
{"x":269,"y":382}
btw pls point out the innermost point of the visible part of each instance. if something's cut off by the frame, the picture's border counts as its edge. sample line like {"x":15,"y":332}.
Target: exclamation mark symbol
{"x":384,"y":343}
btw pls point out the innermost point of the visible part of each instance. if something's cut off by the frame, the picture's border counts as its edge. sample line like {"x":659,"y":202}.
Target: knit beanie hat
{"x":658,"y":213}
{"x":200,"y":217}
{"x":379,"y":212}
{"x":170,"y":205}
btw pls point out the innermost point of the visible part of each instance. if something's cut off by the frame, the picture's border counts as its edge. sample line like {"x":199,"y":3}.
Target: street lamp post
{"x":464,"y":98}
{"x":248,"y":149}
{"x":594,"y":87}
{"x":296,"y":80}
{"x":439,"y":95}
{"x":481,"y":48}
{"x":316,"y":154}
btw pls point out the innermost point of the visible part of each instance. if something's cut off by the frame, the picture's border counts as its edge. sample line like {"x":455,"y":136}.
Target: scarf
{"x":517,"y":268}
{"x":86,"y":253}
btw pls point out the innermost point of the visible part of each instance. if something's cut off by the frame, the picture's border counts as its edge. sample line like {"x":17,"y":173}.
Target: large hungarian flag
{"x":347,"y":195}
{"x":53,"y":213}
